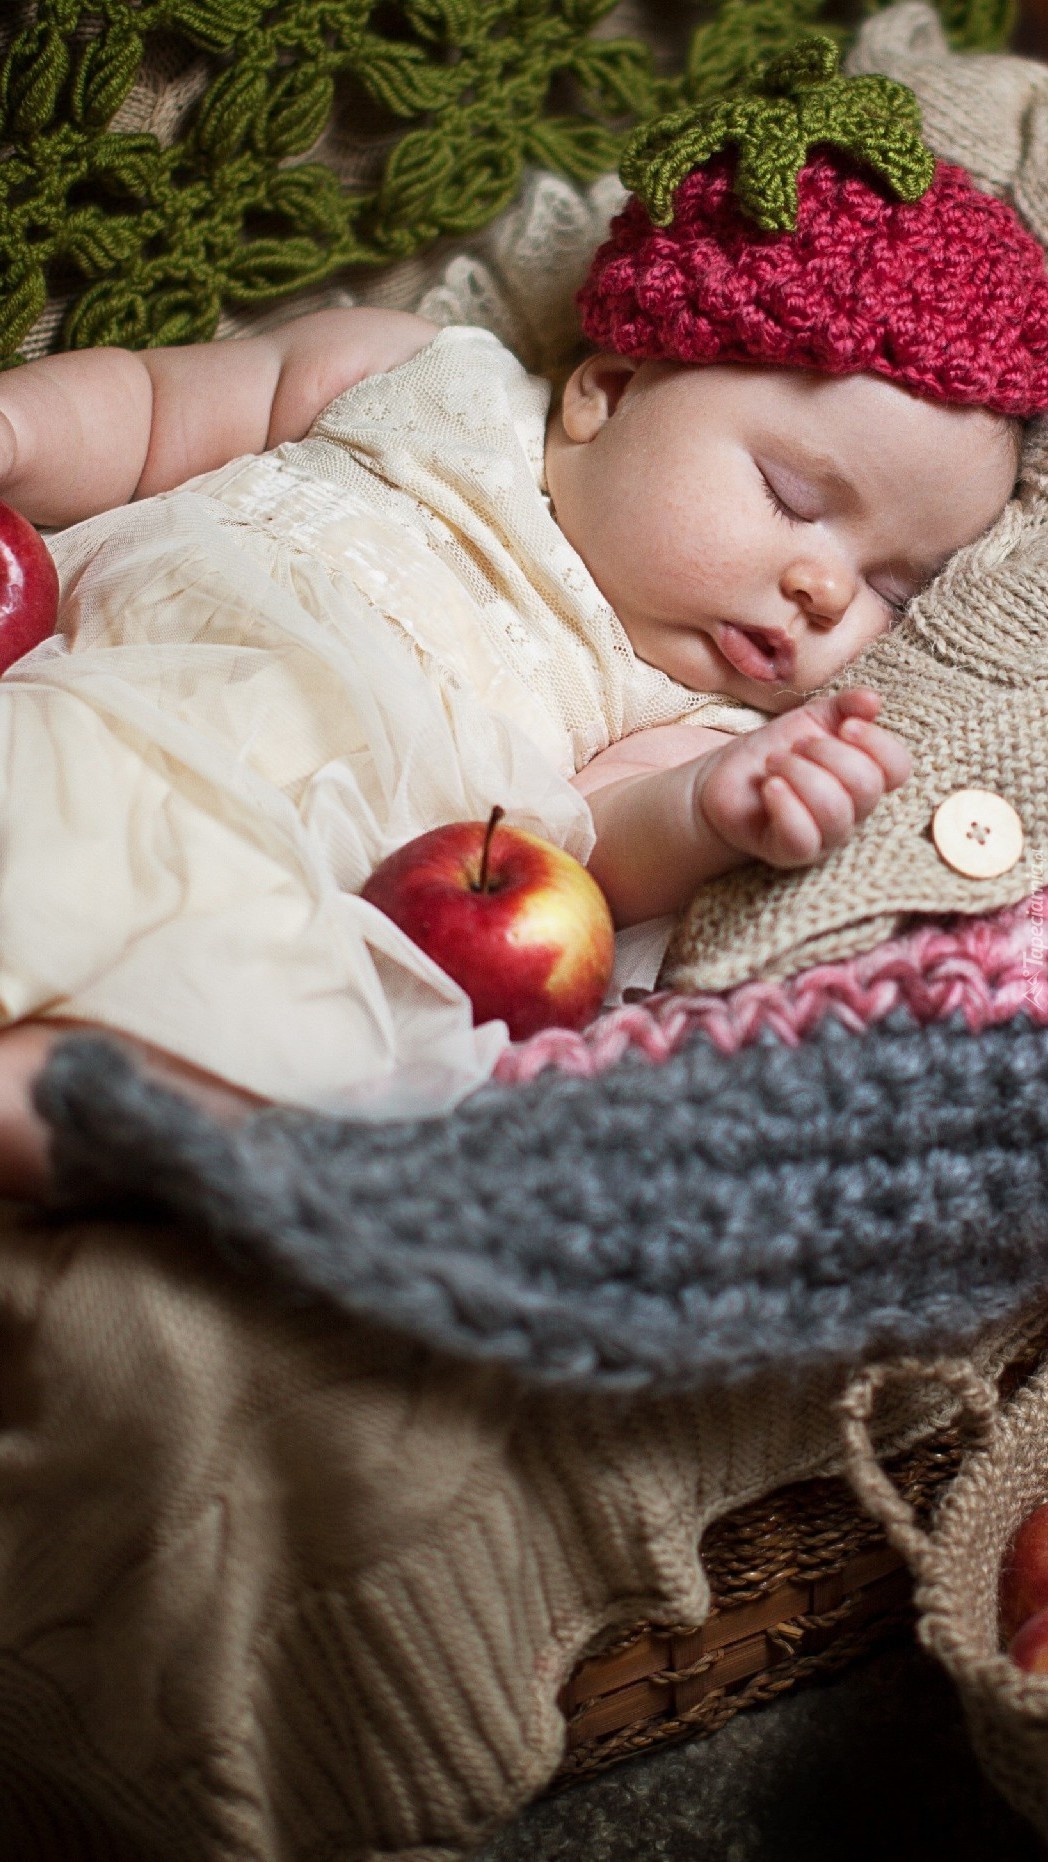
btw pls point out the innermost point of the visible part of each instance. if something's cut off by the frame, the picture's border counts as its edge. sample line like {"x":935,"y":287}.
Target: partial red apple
{"x":28,"y":587}
{"x":1028,"y":1647}
{"x":1024,"y":1573}
{"x":516,"y":922}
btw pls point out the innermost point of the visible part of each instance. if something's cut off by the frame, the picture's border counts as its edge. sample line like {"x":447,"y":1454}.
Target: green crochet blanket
{"x":145,"y":240}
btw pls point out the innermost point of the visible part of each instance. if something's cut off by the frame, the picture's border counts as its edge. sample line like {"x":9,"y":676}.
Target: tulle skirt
{"x":198,"y":774}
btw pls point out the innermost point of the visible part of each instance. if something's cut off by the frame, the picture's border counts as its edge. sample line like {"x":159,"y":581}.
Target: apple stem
{"x":493,"y":820}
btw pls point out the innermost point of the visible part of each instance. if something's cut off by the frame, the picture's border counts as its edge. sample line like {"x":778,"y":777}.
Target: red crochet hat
{"x":775,"y":254}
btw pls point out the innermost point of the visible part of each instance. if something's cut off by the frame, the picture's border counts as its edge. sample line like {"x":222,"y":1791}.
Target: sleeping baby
{"x":327,"y":588}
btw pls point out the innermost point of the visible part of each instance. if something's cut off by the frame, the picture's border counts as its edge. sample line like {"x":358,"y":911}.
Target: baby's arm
{"x":88,"y":430}
{"x":667,"y":819}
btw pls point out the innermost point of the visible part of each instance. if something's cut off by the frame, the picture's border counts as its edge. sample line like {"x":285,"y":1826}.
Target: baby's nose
{"x":822,"y":591}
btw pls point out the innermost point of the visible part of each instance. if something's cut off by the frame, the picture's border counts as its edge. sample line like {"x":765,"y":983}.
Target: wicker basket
{"x":803,"y":1582}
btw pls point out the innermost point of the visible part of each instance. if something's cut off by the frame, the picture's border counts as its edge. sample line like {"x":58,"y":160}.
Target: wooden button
{"x":978,"y":833}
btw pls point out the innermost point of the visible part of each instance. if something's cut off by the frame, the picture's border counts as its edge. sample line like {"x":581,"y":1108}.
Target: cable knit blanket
{"x":818,"y":1193}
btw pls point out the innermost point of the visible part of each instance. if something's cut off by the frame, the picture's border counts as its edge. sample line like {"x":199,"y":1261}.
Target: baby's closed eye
{"x":897,"y":597}
{"x":896,"y":604}
{"x":780,"y":503}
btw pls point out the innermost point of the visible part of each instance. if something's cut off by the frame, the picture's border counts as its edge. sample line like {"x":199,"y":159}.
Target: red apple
{"x":1024,"y":1573}
{"x":516,"y":922}
{"x":28,"y":587}
{"x":1028,"y":1648}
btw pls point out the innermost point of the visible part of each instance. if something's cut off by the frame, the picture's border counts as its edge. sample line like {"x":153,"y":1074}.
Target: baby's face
{"x":754,"y":528}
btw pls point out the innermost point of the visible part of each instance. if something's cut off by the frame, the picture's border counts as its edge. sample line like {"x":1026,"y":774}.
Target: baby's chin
{"x":698,"y":665}
{"x":750,"y":692}
{"x":777,"y":699}
{"x":725,"y":681}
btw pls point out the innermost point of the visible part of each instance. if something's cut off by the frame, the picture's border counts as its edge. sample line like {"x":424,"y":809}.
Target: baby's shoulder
{"x":466,"y":379}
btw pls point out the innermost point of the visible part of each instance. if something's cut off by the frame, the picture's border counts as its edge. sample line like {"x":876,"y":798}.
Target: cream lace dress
{"x":266,"y":681}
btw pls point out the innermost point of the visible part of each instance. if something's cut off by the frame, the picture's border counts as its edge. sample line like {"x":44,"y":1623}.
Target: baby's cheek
{"x":843,"y":649}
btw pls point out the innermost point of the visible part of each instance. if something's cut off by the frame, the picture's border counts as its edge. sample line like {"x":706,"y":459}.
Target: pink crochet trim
{"x":986,"y":969}
{"x":947,"y":295}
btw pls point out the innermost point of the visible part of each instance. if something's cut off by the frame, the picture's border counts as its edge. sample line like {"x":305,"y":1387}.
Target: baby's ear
{"x":592,"y":394}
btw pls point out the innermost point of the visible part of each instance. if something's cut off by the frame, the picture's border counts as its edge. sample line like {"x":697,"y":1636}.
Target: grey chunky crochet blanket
{"x":661,"y":1227}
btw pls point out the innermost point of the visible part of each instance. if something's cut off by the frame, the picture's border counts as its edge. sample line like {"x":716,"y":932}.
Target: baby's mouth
{"x":757,"y":652}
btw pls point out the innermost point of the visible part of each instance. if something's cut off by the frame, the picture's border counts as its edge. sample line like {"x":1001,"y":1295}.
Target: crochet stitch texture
{"x":148,"y":241}
{"x":666,"y":1228}
{"x":455,"y":97}
{"x":824,"y":236}
{"x":775,"y":118}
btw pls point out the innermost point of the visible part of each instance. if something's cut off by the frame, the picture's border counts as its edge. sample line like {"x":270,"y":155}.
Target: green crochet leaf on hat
{"x":784,"y":108}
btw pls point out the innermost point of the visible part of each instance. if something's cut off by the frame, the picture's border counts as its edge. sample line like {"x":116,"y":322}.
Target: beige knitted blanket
{"x":275,"y":1586}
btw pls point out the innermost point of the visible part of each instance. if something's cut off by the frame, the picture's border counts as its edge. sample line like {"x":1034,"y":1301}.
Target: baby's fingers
{"x":882,"y":745}
{"x":793,"y":837}
{"x":830,"y":713}
{"x":825,"y":797}
{"x":859,"y":701}
{"x":861,"y":775}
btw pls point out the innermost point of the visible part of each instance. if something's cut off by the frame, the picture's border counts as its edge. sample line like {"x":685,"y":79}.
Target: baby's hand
{"x":796,"y":788}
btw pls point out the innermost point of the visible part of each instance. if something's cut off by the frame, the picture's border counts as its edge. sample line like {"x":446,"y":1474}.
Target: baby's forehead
{"x":855,"y":414}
